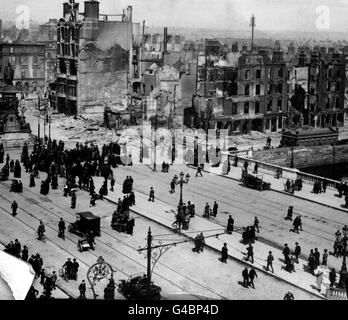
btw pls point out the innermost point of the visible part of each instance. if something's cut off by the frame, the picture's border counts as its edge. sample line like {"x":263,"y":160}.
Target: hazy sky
{"x":230,"y":14}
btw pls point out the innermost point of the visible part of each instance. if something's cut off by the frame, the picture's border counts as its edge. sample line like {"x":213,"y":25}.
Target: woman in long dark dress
{"x":17,"y":170}
{"x":32,"y":181}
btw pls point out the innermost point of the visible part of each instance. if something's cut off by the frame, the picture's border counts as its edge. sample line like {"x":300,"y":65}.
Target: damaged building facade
{"x":94,"y":59}
{"x":317,"y":86}
{"x":28,"y":62}
{"x":241,"y":91}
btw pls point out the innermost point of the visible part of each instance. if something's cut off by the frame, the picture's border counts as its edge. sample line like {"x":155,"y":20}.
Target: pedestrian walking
{"x":82,"y":289}
{"x":61,"y":227}
{"x":215,"y":209}
{"x":172,"y":187}
{"x":112,"y":183}
{"x":41,"y":231}
{"x":297,"y":251}
{"x":332,"y":277}
{"x":325,"y":257}
{"x":252,"y":275}
{"x":286,"y":251}
{"x":32,"y":180}
{"x":250,"y":253}
{"x":297,"y":224}
{"x":14,"y":207}
{"x":290,"y":212}
{"x":73,"y":200}
{"x":256,"y":225}
{"x":25,"y":253}
{"x":311,"y":262}
{"x":316,"y":258}
{"x":68,"y":268}
{"x":319,"y":280}
{"x":74,"y":269}
{"x":270,"y":259}
{"x":256,"y":168}
{"x":152,"y":195}
{"x":230,"y":224}
{"x":199,"y":171}
{"x":224,"y":253}
{"x":245,"y":275}
{"x":17,"y":248}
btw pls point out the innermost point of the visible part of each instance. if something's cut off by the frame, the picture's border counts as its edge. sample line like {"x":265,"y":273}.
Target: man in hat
{"x":245,"y":275}
{"x":152,"y":195}
{"x":230,"y":223}
{"x":68,"y":268}
{"x":61,"y":227}
{"x":224,"y":253}
{"x":82,"y":289}
{"x":14,"y":207}
{"x":250,"y":253}
{"x":73,"y":199}
{"x":252,"y":275}
{"x":297,"y":251}
{"x":270,"y":259}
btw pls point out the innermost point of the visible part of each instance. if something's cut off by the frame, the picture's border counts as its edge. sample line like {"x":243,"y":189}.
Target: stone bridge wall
{"x":304,"y":156}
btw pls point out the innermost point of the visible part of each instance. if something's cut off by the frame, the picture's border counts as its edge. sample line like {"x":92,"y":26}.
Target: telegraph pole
{"x":253,"y":25}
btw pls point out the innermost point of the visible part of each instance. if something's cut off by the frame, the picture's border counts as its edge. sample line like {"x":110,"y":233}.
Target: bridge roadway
{"x":179,"y":272}
{"x":319,"y":222}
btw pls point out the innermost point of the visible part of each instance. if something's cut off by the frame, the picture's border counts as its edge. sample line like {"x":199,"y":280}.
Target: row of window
{"x":258,"y":73}
{"x":271,"y":88}
{"x":24,"y":49}
{"x":24,"y":60}
{"x":257,"y":108}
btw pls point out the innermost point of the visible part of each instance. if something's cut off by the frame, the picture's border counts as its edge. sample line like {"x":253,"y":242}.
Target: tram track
{"x":252,"y":209}
{"x":119,"y":252}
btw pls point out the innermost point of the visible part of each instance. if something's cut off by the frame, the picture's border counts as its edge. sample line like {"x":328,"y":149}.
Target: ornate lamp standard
{"x":181,"y":182}
{"x":99,"y":271}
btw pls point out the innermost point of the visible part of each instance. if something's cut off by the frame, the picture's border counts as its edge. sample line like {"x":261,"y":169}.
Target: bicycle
{"x":43,"y":237}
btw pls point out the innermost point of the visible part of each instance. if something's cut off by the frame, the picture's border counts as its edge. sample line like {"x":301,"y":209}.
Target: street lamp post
{"x":155,"y":252}
{"x":97,"y":272}
{"x":149,"y":249}
{"x":181,"y":182}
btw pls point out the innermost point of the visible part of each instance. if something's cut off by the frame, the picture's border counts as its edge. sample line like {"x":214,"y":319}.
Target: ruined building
{"x":317,"y":86}
{"x":28,"y":61}
{"x":94,"y":59}
{"x":48,"y":37}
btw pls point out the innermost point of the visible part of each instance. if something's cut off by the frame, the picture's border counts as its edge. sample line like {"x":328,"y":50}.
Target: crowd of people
{"x":81,"y":164}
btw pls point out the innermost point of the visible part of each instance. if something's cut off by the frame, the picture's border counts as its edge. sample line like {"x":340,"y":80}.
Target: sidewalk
{"x":328,"y":198}
{"x":164,"y":215}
